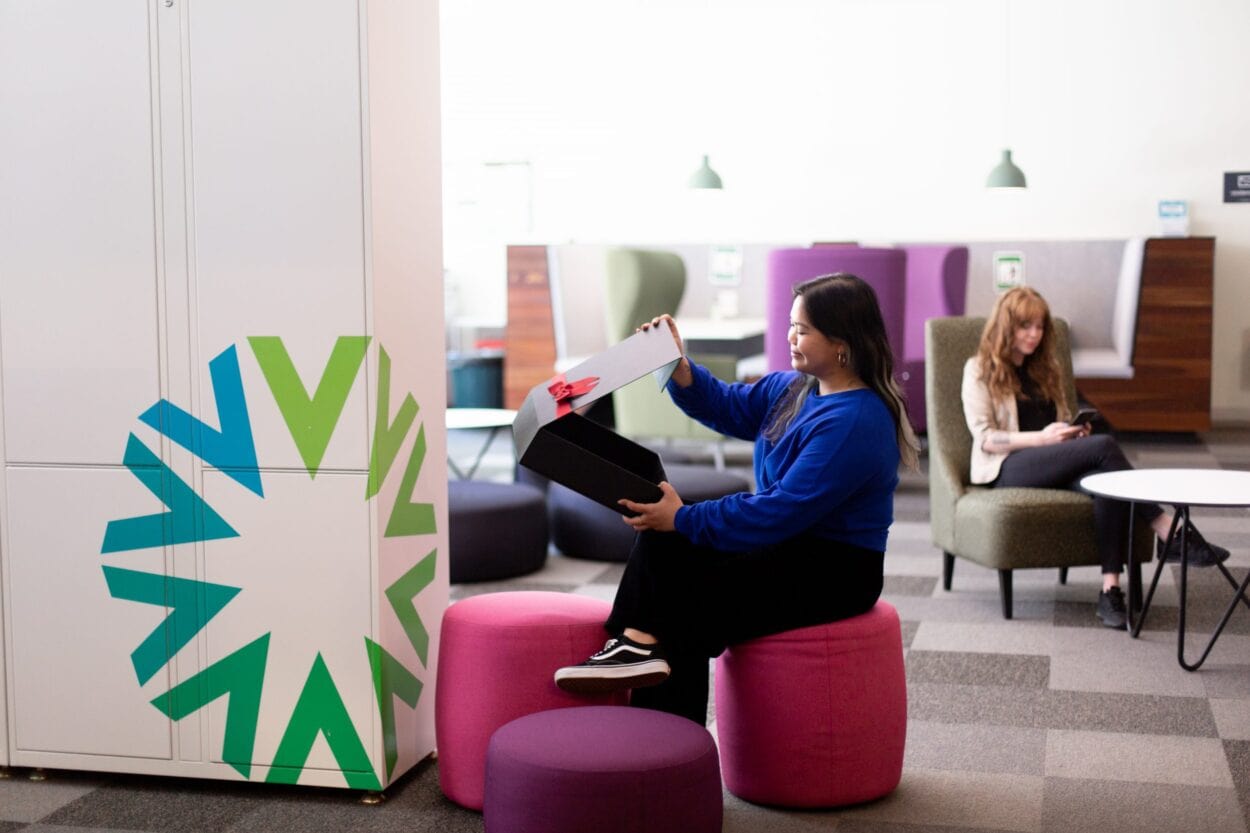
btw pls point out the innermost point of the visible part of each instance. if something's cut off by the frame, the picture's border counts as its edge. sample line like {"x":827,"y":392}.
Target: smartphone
{"x":1084,"y":416}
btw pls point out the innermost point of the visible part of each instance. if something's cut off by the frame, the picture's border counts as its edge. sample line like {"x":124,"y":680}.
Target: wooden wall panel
{"x":529,"y":338}
{"x":1171,"y":385}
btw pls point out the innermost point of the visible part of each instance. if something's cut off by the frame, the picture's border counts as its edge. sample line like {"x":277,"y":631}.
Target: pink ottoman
{"x":496,"y":655}
{"x":815,"y":717}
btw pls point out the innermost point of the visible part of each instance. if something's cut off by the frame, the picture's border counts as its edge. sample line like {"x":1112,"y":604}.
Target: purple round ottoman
{"x":496,"y":657}
{"x":602,"y":769}
{"x":815,"y":717}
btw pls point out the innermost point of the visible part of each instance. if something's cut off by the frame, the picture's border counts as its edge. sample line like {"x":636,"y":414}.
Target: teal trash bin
{"x":476,"y":379}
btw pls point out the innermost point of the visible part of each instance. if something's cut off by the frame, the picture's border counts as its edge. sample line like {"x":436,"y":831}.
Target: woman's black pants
{"x":1061,"y":466}
{"x":697,"y":600}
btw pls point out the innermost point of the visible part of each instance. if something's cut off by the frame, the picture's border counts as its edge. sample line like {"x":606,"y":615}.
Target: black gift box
{"x":554,"y":440}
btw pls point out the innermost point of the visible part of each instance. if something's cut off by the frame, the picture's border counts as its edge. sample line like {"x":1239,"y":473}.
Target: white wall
{"x":846,"y":119}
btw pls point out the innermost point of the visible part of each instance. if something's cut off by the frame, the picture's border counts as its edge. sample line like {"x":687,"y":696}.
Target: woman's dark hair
{"x":844,"y":307}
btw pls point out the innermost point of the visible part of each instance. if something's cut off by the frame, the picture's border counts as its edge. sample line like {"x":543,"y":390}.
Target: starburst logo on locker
{"x":268,"y":527}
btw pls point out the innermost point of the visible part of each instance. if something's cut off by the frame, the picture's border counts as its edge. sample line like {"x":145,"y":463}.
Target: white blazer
{"x":983,"y":415}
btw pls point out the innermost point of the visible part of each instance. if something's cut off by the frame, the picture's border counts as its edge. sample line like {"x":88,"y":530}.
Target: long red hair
{"x":1012,"y":310}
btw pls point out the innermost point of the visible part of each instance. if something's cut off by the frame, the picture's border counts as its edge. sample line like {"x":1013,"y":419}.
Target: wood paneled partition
{"x":530,"y":347}
{"x":1171,"y":385}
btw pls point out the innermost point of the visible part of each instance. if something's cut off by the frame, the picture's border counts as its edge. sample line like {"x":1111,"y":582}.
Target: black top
{"x":1034,"y":410}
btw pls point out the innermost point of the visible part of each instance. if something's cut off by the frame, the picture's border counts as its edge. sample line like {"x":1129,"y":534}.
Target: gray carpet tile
{"x":1121,"y":756}
{"x":6,"y":826}
{"x":1048,"y":708}
{"x":1135,"y":713}
{"x":163,"y":804}
{"x":414,"y":804}
{"x":1232,"y":718}
{"x":960,"y":799}
{"x":1238,"y":753}
{"x":908,"y":586}
{"x":975,"y":748}
{"x":978,"y":669}
{"x":909,"y":632}
{"x":25,"y":801}
{"x":977,"y":704}
{"x":854,"y":825}
{"x":1070,"y":805}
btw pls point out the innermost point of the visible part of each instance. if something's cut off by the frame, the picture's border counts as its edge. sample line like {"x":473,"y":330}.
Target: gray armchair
{"x":1003,"y":529}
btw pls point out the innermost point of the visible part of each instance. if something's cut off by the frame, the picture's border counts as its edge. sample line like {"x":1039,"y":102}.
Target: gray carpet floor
{"x":1048,"y":722}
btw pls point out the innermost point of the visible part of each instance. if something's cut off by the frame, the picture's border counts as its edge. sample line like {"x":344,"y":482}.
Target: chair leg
{"x":1004,"y":589}
{"x":948,"y":570}
{"x":1063,"y":575}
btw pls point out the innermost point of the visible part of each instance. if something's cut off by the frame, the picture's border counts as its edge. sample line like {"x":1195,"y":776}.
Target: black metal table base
{"x":1180,"y":526}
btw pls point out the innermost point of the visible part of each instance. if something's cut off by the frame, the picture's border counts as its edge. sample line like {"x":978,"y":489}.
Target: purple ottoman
{"x":602,"y":769}
{"x":815,"y":717}
{"x":496,"y":657}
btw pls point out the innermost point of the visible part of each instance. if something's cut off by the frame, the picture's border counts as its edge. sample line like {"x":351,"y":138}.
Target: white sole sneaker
{"x":596,"y":679}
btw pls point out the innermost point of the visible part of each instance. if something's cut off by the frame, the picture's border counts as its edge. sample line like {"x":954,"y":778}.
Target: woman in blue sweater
{"x":806,"y":548}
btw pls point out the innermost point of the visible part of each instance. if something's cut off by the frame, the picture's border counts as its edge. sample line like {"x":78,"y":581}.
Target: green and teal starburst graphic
{"x":191,"y":605}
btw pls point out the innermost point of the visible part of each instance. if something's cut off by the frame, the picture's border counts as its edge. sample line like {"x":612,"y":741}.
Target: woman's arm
{"x":834,"y":460}
{"x":986,"y":433}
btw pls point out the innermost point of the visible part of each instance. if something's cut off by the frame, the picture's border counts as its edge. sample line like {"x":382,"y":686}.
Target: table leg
{"x":490,"y":439}
{"x":1135,"y":630}
{"x":1228,"y":612}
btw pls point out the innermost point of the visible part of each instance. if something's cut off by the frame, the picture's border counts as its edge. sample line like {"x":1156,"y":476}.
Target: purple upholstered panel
{"x":883,"y":269}
{"x":937,"y":286}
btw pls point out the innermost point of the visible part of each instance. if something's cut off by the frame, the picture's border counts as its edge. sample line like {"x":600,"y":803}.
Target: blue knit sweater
{"x":832,"y":473}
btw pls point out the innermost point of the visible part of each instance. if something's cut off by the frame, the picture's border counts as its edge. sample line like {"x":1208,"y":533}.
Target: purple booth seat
{"x":882,"y":269}
{"x":937,"y":287}
{"x":602,"y":769}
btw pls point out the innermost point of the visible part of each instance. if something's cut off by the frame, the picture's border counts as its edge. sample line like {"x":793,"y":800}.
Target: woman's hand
{"x":655,"y":322}
{"x":681,"y":375}
{"x":1058,"y":432}
{"x":658,"y":516}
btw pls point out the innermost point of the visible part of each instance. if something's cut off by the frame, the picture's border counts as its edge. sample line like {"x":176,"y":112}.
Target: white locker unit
{"x":223,"y":492}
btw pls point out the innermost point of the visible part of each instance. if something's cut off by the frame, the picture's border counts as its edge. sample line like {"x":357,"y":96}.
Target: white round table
{"x":469,"y":419}
{"x":1183,"y":488}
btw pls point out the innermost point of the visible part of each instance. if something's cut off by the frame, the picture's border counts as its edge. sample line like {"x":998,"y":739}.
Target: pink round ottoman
{"x":496,"y":656}
{"x":603,"y":769}
{"x":815,"y":717}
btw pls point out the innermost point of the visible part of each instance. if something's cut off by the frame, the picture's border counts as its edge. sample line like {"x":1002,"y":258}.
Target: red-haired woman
{"x":1017,"y":411}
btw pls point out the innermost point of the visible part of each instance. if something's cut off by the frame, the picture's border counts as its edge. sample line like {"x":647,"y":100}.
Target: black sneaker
{"x":1201,"y":553}
{"x":1111,"y":610}
{"x":623,"y":663}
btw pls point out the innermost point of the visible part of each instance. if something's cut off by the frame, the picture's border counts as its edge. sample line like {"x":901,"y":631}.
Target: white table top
{"x":467,"y":418}
{"x":720,"y":328}
{"x":1186,"y":487}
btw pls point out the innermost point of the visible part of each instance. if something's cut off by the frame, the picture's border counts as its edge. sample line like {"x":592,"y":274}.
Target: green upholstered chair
{"x":1003,"y":529}
{"x":642,"y":284}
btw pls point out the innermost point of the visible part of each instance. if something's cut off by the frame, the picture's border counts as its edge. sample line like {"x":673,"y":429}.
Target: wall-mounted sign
{"x":725,"y":265}
{"x":1237,"y":186}
{"x":1008,"y":270}
{"x":1173,"y":218}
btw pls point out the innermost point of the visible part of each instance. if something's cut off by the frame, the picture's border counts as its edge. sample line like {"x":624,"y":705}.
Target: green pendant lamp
{"x":1006,"y":174}
{"x":705,"y":177}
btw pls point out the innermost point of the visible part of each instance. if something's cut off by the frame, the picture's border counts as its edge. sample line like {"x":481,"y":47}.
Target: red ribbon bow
{"x":562,"y":391}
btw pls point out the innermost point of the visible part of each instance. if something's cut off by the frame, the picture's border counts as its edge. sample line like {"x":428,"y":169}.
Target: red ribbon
{"x":562,"y":391}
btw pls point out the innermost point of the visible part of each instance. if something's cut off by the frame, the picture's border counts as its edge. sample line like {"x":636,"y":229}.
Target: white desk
{"x":737,"y":337}
{"x":1183,"y":488}
{"x":470,"y":419}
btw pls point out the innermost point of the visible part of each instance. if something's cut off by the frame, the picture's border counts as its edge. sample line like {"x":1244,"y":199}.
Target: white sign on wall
{"x":1008,"y":270}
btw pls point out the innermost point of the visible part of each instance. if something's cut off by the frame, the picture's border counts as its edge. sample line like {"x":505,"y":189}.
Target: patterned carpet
{"x":1048,"y":722}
